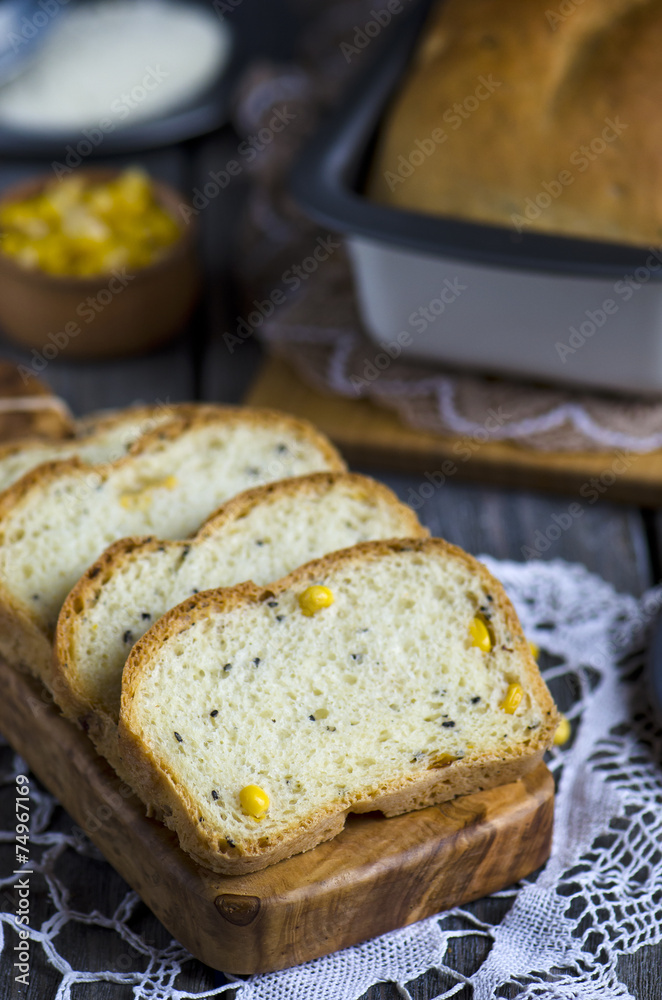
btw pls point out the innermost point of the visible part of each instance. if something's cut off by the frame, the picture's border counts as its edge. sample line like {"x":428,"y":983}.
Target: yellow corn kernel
{"x":52,"y":255}
{"x":535,"y":649}
{"x":11,"y":243}
{"x":79,"y":224}
{"x":443,"y":760}
{"x":313,"y":599}
{"x":99,"y":199}
{"x":480,"y":634}
{"x":514,"y":695}
{"x":170,"y":482}
{"x":254,"y":801}
{"x":562,"y":734}
{"x":136,"y":501}
{"x":27,"y":257}
{"x":81,"y":228}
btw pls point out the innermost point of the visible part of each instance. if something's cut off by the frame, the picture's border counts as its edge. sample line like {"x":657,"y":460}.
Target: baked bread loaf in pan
{"x":527,"y":116}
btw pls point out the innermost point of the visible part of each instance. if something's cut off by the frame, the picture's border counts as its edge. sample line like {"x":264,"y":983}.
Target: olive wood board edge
{"x":371,"y":436}
{"x":377,"y":875}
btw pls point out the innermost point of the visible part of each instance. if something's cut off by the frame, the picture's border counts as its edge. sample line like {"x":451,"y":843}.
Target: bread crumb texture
{"x":109,"y":439}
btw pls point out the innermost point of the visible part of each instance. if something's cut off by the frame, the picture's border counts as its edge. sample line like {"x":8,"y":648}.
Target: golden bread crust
{"x":523,"y":93}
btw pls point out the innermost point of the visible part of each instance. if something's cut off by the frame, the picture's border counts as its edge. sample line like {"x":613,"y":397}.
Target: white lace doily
{"x":598,"y":897}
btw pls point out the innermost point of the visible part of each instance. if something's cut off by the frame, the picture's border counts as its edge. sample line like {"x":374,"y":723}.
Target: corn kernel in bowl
{"x":82,"y":227}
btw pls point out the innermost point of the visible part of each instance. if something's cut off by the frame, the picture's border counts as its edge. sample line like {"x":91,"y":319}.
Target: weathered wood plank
{"x":508,"y":524}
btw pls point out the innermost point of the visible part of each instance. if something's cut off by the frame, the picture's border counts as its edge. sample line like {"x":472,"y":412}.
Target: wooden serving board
{"x":377,"y":875}
{"x":371,"y":436}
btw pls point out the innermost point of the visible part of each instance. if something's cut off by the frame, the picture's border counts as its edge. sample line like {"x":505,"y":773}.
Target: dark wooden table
{"x":619,"y":543}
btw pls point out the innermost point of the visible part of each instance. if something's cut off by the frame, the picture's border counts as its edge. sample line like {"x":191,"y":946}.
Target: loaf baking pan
{"x":471,"y":296}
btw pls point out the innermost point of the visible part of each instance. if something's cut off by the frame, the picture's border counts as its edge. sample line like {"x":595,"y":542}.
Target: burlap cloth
{"x":314,"y":323}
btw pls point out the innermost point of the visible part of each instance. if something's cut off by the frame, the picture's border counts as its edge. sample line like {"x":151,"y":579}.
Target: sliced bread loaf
{"x":260,"y":535}
{"x":401,"y":692}
{"x":57,"y":519}
{"x":105,"y":438}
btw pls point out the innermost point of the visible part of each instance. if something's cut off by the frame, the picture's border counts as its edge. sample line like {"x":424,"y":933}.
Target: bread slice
{"x":104,"y":438}
{"x":260,"y":535}
{"x":60,"y":517}
{"x":28,"y":408}
{"x":377,"y":702}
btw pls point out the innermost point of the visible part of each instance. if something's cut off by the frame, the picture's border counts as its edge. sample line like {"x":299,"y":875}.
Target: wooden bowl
{"x":106,"y":315}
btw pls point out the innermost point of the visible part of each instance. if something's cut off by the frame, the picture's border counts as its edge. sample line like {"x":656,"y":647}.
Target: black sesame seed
{"x":128,"y":636}
{"x":195,"y":591}
{"x":145,"y":615}
{"x":282,"y":448}
{"x":312,"y":718}
{"x":214,"y":713}
{"x":256,"y":661}
{"x":214,"y":794}
{"x":448,"y":725}
{"x":178,"y":738}
{"x":35,"y":597}
{"x":259,"y":541}
{"x":227,"y":667}
{"x":475,"y":699}
{"x":230,"y":842}
{"x":280,"y":618}
{"x":489,"y":597}
{"x":272,"y":604}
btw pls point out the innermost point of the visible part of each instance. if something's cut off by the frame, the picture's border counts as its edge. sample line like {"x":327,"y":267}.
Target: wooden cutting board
{"x":371,"y":436}
{"x":377,"y":875}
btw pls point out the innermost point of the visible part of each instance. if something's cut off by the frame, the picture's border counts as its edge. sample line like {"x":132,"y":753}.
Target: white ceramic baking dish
{"x":535,"y":306}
